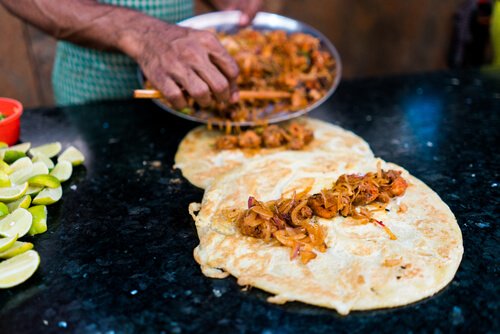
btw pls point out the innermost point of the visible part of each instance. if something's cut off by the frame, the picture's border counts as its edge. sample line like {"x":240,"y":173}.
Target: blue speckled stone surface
{"x":117,"y":257}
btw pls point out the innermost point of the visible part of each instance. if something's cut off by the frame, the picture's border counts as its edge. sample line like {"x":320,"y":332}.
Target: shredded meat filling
{"x":296,"y":137}
{"x":226,"y":142}
{"x":292,"y":222}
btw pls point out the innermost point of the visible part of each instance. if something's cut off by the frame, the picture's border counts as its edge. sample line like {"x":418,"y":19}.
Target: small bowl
{"x":10,"y":125}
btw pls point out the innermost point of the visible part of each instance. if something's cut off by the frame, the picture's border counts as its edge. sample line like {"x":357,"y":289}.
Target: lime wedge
{"x":48,"y":196}
{"x":17,"y":248}
{"x":6,"y":243}
{"x":4,"y":180}
{"x":44,"y":181}
{"x":18,"y":269}
{"x":18,"y":222}
{"x":12,"y":193}
{"x":24,"y":175}
{"x":4,"y":209}
{"x":49,"y":150}
{"x":39,"y":157}
{"x":11,"y":156}
{"x":33,"y":190}
{"x":39,"y":225}
{"x":23,"y":202}
{"x":4,"y":167}
{"x":24,"y":147}
{"x":72,"y":155}
{"x":62,"y":171}
{"x":21,"y":164}
{"x":21,"y":174}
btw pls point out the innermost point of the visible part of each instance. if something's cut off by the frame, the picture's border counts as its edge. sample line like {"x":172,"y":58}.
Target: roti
{"x":362,"y":267}
{"x":200,"y":162}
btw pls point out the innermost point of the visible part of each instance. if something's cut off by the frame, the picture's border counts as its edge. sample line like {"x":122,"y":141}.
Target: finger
{"x":217,"y":82}
{"x":235,"y":94}
{"x":225,"y":63}
{"x":249,"y":9}
{"x":173,"y":94}
{"x":196,"y":88}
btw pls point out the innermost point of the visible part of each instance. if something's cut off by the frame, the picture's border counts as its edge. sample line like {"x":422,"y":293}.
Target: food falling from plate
{"x":280,"y":73}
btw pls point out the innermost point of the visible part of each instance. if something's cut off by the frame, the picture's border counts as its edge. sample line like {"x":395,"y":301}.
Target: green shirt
{"x":84,"y":75}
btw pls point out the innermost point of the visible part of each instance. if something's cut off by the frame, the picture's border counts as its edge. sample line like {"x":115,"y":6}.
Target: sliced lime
{"x":24,"y":147}
{"x":20,"y":164}
{"x":11,"y":156}
{"x":39,"y":157}
{"x":39,"y":225}
{"x":18,"y":269}
{"x":6,"y":243}
{"x":4,"y":180}
{"x":33,"y":190}
{"x":21,"y":174}
{"x":49,"y":150}
{"x":17,"y":248}
{"x":48,"y":196}
{"x":72,"y":155}
{"x":44,"y":181}
{"x":23,"y":202}
{"x":24,"y":175}
{"x":4,"y":167}
{"x":62,"y":171}
{"x":17,"y":222}
{"x":4,"y":209}
{"x":12,"y":193}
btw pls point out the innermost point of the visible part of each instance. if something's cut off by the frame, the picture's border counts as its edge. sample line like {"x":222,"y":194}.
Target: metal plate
{"x":228,"y":22}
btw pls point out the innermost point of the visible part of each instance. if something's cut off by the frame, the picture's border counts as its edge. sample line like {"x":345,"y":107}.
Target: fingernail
{"x":244,"y":19}
{"x":235,"y":96}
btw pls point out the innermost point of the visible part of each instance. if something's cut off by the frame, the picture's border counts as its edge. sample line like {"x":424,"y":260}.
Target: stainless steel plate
{"x":228,"y":21}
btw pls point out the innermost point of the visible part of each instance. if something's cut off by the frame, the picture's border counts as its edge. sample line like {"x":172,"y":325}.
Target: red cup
{"x":10,"y":125}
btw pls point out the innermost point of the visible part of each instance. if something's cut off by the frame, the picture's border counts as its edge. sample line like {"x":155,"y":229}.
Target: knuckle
{"x":220,"y":87}
{"x":201,"y":92}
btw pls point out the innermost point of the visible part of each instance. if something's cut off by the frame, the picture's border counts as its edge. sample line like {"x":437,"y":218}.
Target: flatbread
{"x":201,"y":162}
{"x":362,"y":268}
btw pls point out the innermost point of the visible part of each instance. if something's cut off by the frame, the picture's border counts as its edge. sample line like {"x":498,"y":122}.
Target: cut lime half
{"x":4,"y":167}
{"x":39,"y":157}
{"x":4,"y":209}
{"x":44,"y":181}
{"x":49,"y":150}
{"x":48,"y":196}
{"x":4,"y":180}
{"x":24,"y":147}
{"x":73,"y":155}
{"x":12,"y":193}
{"x":62,"y":171}
{"x":12,"y":156}
{"x":21,"y":164}
{"x":18,"y":269}
{"x":23,"y":202}
{"x":39,"y":225}
{"x":17,"y":248}
{"x":6,"y":243}
{"x":16,"y":223}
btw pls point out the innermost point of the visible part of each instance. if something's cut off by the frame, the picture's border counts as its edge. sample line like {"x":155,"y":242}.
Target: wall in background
{"x":374,"y":37}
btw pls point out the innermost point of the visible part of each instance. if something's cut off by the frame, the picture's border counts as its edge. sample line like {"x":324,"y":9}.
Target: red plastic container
{"x":10,"y":126}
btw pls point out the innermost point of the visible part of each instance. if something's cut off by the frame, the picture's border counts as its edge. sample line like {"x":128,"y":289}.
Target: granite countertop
{"x":117,"y":257}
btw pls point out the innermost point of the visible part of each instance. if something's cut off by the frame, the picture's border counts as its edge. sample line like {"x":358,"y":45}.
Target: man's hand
{"x":174,"y":58}
{"x":248,"y":8}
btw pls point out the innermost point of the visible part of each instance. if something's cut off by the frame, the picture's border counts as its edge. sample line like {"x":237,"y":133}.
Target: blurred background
{"x":374,"y":38}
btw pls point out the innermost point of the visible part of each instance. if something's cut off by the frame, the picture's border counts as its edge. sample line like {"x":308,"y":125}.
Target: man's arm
{"x":172,"y":58}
